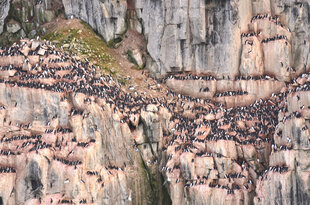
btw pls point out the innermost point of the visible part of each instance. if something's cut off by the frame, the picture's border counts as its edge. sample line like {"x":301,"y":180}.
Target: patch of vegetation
{"x":85,"y":43}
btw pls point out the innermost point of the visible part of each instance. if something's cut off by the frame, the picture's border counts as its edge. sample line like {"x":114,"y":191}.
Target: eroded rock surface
{"x":233,"y":129}
{"x":205,"y":36}
{"x":108,"y":18}
{"x":4,"y":8}
{"x":70,"y":135}
{"x":202,"y":37}
{"x":61,"y":144}
{"x":23,"y":18}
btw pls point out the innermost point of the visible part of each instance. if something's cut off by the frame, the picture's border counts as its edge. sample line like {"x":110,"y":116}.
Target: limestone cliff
{"x":227,"y":123}
{"x":23,"y":18}
{"x":205,"y":35}
{"x":106,"y":17}
{"x":4,"y":6}
{"x":62,"y":145}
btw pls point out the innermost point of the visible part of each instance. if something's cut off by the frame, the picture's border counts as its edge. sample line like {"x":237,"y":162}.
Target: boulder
{"x":34,"y":45}
{"x":13,"y":26}
{"x":25,"y":50}
{"x":41,"y":51}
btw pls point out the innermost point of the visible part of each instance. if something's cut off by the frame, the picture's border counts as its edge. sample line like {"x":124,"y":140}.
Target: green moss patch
{"x":86,"y":43}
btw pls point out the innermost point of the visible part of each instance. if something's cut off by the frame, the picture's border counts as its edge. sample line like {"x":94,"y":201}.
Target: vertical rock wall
{"x":4,"y":11}
{"x":197,"y":36}
{"x":204,"y":36}
{"x":68,"y":147}
{"x":23,"y":18}
{"x":108,"y":18}
{"x":260,"y":159}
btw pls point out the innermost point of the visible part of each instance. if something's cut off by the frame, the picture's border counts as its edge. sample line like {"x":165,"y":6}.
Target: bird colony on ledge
{"x":59,"y":113}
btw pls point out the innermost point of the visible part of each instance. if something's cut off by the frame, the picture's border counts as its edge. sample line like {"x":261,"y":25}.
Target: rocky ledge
{"x":72,"y":135}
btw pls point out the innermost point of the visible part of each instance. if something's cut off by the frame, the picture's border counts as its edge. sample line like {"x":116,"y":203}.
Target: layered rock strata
{"x":4,"y":8}
{"x":232,"y":130}
{"x":204,"y":36}
{"x":70,"y":135}
{"x":108,"y":18}
{"x":219,"y":38}
{"x":65,"y":134}
{"x":23,"y":18}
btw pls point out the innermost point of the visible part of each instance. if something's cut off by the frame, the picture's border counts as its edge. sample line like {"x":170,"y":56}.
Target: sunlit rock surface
{"x":232,"y":128}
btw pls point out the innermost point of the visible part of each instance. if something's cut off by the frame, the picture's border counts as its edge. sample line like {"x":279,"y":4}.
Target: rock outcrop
{"x":205,"y":36}
{"x":62,"y":144}
{"x":231,"y":128}
{"x":108,"y":18}
{"x":70,"y":135}
{"x":202,"y":37}
{"x":25,"y":18}
{"x":4,"y":11}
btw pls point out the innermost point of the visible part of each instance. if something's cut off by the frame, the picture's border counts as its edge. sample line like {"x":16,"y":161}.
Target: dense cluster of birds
{"x":20,"y":137}
{"x":68,"y":162}
{"x":209,"y":122}
{"x":189,"y":77}
{"x":231,"y":93}
{"x":65,"y":201}
{"x":260,"y":17}
{"x":275,"y":19}
{"x":278,"y":169}
{"x":206,"y":89}
{"x":7,"y":152}
{"x":184,"y":137}
{"x":277,"y":37}
{"x":91,"y":173}
{"x":265,"y":77}
{"x":251,"y":34}
{"x":7,"y":170}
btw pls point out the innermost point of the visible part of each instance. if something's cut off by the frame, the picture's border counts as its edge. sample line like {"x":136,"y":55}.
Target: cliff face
{"x":229,"y":126}
{"x":4,"y":6}
{"x":61,"y":145}
{"x":108,"y":18}
{"x":205,"y":35}
{"x":70,"y":135}
{"x":23,"y":18}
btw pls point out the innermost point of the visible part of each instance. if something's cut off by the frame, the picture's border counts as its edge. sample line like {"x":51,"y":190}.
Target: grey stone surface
{"x":4,"y":11}
{"x":204,"y":36}
{"x":192,"y":35}
{"x":13,"y":27}
{"x":198,"y":36}
{"x":106,"y":17}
